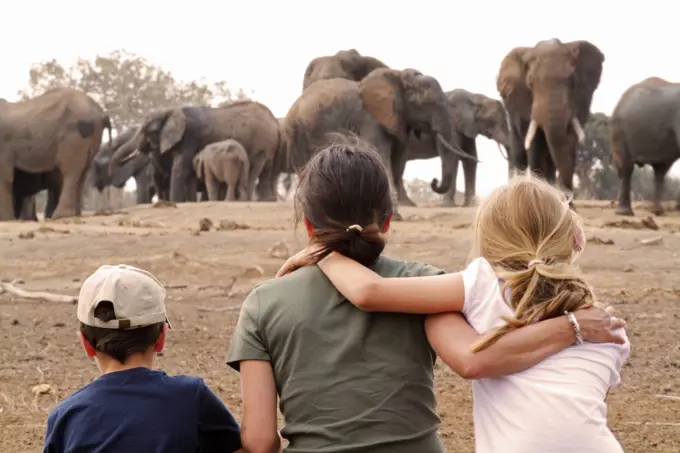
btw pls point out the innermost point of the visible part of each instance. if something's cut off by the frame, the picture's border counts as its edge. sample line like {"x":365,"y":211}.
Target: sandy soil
{"x":215,"y":269}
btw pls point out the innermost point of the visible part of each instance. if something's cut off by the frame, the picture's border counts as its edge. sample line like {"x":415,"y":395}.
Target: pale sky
{"x":265,"y":46}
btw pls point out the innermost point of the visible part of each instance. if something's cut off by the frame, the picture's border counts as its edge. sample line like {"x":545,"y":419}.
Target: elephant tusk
{"x":456,"y":151}
{"x":579,"y":130}
{"x":500,"y":150}
{"x":531,"y":133}
{"x":130,"y":156}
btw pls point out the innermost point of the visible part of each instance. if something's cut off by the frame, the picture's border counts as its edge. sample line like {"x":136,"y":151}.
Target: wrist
{"x":575,"y":327}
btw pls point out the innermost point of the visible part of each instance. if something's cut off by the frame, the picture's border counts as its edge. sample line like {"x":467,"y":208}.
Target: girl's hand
{"x":301,"y":259}
{"x":597,"y":324}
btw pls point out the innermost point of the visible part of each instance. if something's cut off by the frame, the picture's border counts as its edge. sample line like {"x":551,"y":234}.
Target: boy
{"x":131,"y":407}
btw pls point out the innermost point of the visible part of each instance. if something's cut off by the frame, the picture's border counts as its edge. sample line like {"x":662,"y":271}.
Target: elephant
{"x":645,"y":130}
{"x":140,"y":168}
{"x":345,"y":64}
{"x":225,"y":161}
{"x":547,"y":91}
{"x":184,"y":131}
{"x":473,"y":114}
{"x":60,"y":129}
{"x":382,"y":109}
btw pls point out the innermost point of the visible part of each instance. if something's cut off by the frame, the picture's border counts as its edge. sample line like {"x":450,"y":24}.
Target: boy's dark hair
{"x":119,"y":344}
{"x":346,"y":184}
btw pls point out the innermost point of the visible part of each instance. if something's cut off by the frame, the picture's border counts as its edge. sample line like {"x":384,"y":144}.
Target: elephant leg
{"x":470,"y":172}
{"x":398,"y":167}
{"x":449,"y":198}
{"x":212,"y":186}
{"x":265,"y":183}
{"x":660,"y":171}
{"x":178,"y":178}
{"x":143,"y":183}
{"x":256,"y":167}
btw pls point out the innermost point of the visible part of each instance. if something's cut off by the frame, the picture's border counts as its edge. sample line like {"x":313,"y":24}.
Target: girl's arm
{"x":258,"y":392}
{"x":370,"y":292}
{"x":451,"y":337}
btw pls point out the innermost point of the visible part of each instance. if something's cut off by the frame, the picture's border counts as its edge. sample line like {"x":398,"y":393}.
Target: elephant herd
{"x":238,"y":150}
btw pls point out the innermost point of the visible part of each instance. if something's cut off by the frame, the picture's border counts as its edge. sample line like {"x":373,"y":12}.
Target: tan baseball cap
{"x":138,"y":298}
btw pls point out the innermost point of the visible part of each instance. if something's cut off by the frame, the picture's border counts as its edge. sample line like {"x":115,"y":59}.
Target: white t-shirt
{"x":557,"y":406}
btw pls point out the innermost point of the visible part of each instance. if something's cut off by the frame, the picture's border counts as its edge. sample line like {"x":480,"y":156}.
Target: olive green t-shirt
{"x":349,"y":381}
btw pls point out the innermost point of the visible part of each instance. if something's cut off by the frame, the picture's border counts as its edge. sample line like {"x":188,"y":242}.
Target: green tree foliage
{"x":126,"y":85}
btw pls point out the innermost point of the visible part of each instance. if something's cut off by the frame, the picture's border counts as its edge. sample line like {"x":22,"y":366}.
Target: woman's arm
{"x":451,"y":337}
{"x":258,"y":391}
{"x":370,"y":292}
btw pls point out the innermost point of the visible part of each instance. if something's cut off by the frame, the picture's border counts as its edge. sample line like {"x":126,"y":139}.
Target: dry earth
{"x":216,"y":268}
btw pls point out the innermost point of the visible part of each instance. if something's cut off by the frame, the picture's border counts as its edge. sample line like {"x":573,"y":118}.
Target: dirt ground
{"x":212,"y":270}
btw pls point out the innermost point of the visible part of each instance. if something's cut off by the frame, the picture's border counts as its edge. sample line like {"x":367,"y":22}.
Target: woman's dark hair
{"x":119,"y":344}
{"x":343,"y":185}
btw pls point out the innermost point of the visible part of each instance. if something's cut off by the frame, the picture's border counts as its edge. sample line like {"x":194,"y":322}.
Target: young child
{"x":526,"y":243}
{"x":131,"y":407}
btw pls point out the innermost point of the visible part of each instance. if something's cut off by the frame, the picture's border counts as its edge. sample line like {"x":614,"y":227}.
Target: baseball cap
{"x":138,"y":298}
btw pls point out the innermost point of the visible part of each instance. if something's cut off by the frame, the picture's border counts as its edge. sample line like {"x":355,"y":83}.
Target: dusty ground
{"x":216,"y":269}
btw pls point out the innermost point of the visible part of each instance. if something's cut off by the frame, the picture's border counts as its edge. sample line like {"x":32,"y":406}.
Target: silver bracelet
{"x":574,"y":326}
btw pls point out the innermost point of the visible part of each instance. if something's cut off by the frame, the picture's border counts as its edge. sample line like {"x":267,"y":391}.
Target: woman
{"x":349,"y":380}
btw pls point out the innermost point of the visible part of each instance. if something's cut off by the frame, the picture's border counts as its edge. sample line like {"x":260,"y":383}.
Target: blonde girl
{"x":523,"y":271}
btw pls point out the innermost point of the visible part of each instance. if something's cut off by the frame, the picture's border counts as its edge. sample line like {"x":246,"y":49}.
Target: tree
{"x":126,"y":85}
{"x":595,"y":149}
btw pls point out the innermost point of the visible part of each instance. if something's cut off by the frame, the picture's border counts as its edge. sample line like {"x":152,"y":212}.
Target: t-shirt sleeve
{"x":248,"y":342}
{"x":53,"y":442}
{"x":622,"y":354}
{"x":217,"y":428}
{"x":481,"y":295}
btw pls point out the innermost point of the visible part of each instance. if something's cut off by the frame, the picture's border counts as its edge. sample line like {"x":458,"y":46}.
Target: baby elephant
{"x":225,"y":161}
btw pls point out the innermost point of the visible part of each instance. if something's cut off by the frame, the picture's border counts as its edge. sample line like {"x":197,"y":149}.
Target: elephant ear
{"x":588,"y":63}
{"x":382,"y":95}
{"x":511,"y":80}
{"x":173,"y":130}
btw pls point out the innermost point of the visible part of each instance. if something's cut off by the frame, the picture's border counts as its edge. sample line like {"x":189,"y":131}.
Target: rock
{"x":27,"y":235}
{"x":205,"y":224}
{"x":227,"y":225}
{"x":280,"y":250}
{"x":253,"y":272}
{"x":652,"y":241}
{"x":164,"y":204}
{"x":42,"y":389}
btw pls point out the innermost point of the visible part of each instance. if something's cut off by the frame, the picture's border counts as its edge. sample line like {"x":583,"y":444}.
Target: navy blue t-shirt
{"x":142,"y":411}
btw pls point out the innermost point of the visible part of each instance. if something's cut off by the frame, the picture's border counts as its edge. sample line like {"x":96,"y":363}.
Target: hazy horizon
{"x":264,"y":46}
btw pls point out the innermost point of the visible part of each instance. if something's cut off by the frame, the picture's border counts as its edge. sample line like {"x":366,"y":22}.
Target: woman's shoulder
{"x":390,"y":267}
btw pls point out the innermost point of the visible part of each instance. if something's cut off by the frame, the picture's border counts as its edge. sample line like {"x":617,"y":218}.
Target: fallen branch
{"x":668,"y":397}
{"x":220,"y":309}
{"x":40,"y":295}
{"x":652,"y":423}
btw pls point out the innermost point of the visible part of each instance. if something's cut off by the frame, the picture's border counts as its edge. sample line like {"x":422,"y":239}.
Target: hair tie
{"x":357,"y":228}
{"x":532,"y":263}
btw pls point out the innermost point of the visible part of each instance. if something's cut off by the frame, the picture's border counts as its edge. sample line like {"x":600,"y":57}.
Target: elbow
{"x":366,"y":297}
{"x":258,"y":443}
{"x":471,"y":371}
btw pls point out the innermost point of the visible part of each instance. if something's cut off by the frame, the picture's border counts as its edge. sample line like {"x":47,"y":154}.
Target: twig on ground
{"x":652,"y":423}
{"x":668,"y":397}
{"x":219,"y":309}
{"x":42,"y":295}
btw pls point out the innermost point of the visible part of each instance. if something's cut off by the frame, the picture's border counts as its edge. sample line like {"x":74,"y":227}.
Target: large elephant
{"x":382,"y":109}
{"x":473,"y":114}
{"x":227,"y":162}
{"x":184,"y":131}
{"x":60,"y":129}
{"x":645,"y":130}
{"x":548,"y":90}
{"x":345,"y":64}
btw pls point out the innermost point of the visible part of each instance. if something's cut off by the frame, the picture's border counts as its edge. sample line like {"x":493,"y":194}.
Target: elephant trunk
{"x":128,"y":150}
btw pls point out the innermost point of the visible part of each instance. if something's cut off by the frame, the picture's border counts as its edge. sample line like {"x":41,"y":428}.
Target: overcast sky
{"x":265,"y":46}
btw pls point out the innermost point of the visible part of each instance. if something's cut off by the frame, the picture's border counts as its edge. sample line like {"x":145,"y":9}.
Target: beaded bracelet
{"x":574,"y":326}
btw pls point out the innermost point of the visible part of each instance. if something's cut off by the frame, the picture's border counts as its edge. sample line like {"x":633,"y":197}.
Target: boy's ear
{"x":89,"y":350}
{"x":160,"y":343}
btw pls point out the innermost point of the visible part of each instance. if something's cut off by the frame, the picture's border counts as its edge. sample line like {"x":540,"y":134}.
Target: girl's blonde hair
{"x":530,"y":236}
